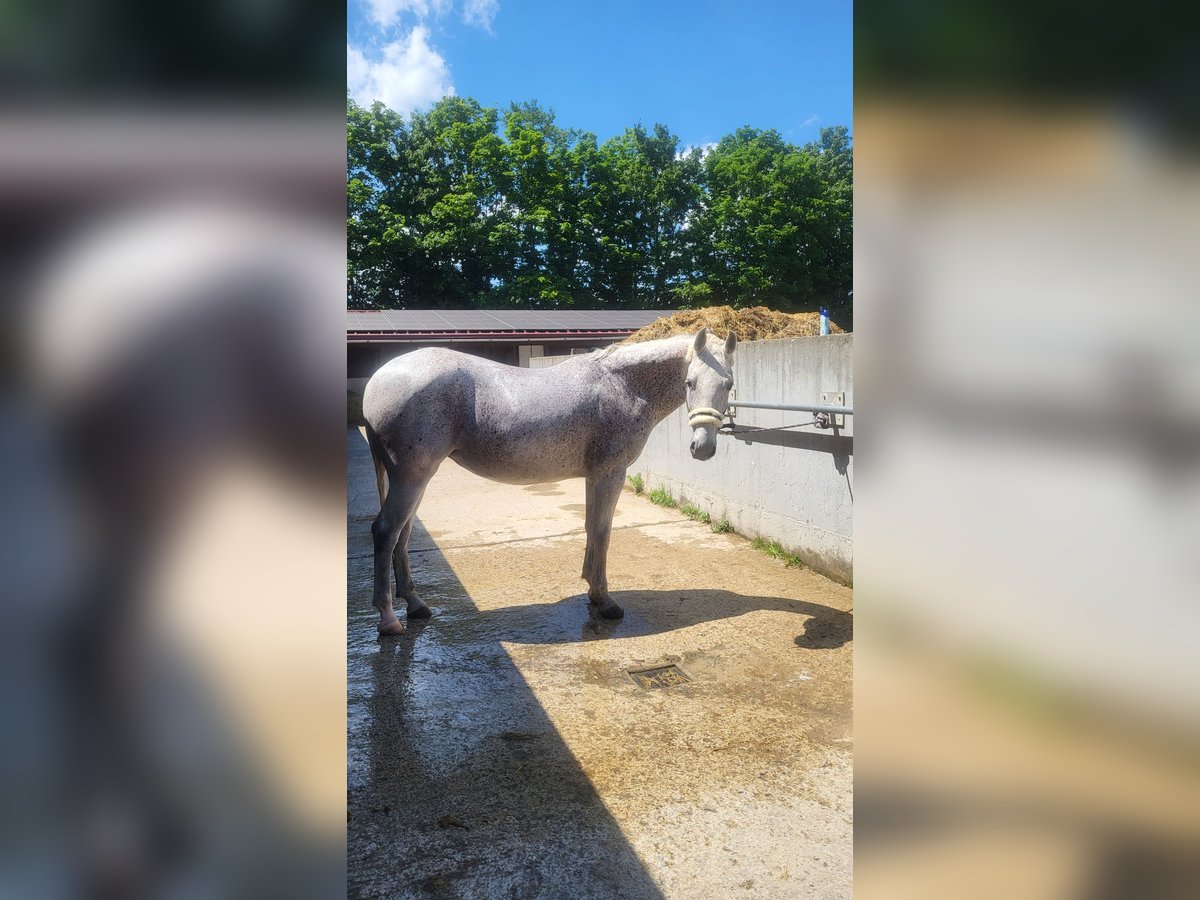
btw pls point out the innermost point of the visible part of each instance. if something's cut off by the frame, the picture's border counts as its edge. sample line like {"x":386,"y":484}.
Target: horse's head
{"x":709,"y":380}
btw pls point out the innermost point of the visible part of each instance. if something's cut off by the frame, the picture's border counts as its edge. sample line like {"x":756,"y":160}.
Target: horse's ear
{"x":730,"y":344}
{"x":701,"y":340}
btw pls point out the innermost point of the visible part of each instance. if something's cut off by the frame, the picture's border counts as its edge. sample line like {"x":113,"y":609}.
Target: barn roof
{"x":534,"y":325}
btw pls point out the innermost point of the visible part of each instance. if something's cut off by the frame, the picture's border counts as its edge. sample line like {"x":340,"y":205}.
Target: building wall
{"x":793,"y":486}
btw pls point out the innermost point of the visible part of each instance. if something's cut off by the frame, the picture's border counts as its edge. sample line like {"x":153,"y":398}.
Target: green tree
{"x":833,"y":226}
{"x":544,"y":198}
{"x":770,"y":226}
{"x":454,"y":208}
{"x":640,"y":194}
{"x":459,"y":205}
{"x":382,"y":255}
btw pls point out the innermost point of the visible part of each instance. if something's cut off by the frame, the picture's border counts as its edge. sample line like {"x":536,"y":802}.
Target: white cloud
{"x":481,"y":13}
{"x":810,"y":121}
{"x":407,"y":73}
{"x":387,"y":12}
{"x":358,"y":72}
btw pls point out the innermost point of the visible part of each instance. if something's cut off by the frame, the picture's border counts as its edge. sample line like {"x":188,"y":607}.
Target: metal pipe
{"x":795,"y":407}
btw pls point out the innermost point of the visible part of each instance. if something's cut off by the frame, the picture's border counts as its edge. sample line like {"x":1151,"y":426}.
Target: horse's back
{"x":432,"y":373}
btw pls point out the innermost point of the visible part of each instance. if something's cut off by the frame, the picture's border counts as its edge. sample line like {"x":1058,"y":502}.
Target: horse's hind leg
{"x":403,"y":497}
{"x":602,"y":494}
{"x":403,"y":571}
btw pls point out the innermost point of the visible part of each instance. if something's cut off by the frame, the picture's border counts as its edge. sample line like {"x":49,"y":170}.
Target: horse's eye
{"x":691,"y":383}
{"x":729,"y":384}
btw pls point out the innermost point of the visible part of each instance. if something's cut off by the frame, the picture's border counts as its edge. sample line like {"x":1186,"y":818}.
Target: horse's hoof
{"x":611,"y":610}
{"x":393,"y":627}
{"x":420,"y":611}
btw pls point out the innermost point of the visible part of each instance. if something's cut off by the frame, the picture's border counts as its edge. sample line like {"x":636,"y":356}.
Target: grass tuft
{"x":775,"y":549}
{"x":660,"y":497}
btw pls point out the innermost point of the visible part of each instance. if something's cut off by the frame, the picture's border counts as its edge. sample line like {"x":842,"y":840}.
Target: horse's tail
{"x":381,"y":478}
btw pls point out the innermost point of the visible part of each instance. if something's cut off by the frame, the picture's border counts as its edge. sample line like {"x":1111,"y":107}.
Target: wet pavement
{"x":504,"y":749}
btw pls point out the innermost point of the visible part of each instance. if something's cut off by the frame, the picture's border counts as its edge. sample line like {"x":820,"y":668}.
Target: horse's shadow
{"x":650,"y":612}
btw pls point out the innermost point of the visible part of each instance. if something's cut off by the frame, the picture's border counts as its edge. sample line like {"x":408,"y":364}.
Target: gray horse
{"x":588,"y":417}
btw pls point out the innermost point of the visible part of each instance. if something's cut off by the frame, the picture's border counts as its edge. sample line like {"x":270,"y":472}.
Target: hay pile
{"x":756,"y":323}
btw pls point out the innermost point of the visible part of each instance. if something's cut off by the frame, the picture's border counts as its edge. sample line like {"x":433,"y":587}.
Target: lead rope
{"x":734,"y":428}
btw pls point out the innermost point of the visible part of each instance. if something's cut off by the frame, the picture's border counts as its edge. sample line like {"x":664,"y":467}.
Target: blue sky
{"x":701,"y":68}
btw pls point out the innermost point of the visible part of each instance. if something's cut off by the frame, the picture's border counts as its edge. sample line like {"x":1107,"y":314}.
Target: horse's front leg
{"x":602,"y":494}
{"x":590,"y":502}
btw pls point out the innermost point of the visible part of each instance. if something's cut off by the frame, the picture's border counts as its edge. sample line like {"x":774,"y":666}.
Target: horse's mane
{"x":640,"y":348}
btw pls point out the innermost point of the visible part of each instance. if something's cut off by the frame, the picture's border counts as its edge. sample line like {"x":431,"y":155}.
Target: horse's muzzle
{"x":704,"y":443}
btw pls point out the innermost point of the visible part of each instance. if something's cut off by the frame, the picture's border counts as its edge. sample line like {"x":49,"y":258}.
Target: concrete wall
{"x":796,"y":486}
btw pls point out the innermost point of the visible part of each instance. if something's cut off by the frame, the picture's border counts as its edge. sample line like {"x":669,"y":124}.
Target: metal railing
{"x":794,"y":407}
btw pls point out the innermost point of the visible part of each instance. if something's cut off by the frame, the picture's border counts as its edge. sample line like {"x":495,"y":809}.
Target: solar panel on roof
{"x":421,"y":319}
{"x":494,"y":319}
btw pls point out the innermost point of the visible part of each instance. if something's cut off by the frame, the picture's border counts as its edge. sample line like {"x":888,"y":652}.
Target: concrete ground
{"x":502,"y":749}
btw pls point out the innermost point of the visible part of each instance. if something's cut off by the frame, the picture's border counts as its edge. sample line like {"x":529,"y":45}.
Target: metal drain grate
{"x":658,"y":677}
